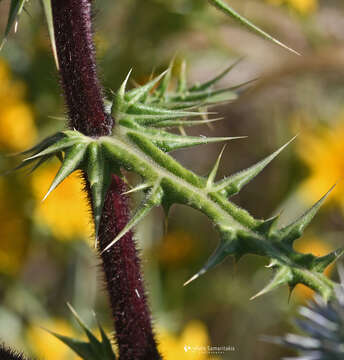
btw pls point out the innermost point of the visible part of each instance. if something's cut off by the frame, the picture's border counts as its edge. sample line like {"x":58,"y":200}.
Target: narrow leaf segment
{"x":46,"y":4}
{"x":92,"y":349}
{"x":16,"y":8}
{"x":225,"y":8}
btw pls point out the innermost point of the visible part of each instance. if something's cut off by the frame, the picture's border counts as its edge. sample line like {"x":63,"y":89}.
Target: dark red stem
{"x":121,"y":264}
{"x":124,"y":282}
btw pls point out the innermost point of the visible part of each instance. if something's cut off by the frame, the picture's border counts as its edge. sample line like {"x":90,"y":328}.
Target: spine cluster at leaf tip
{"x":141,"y":144}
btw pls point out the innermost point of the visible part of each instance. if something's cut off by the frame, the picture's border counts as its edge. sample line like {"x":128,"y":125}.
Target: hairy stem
{"x":9,"y":354}
{"x":76,"y":55}
{"x":121,"y":266}
{"x":83,"y":93}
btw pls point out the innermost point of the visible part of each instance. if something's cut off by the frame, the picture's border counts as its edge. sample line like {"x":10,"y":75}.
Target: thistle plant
{"x":141,"y":143}
{"x":131,"y":132}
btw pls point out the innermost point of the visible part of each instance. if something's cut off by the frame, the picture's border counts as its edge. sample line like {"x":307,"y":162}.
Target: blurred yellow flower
{"x":66,"y":209}
{"x":322,"y":151}
{"x":187,"y":346}
{"x":13,"y":236}
{"x":176,"y":246}
{"x":17,"y":129}
{"x":302,"y":6}
{"x":316,"y":247}
{"x":46,"y":346}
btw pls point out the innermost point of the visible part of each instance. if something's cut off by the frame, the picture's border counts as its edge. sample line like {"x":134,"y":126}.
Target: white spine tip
{"x":196,"y":276}
{"x":191,"y":280}
{"x":45,"y":197}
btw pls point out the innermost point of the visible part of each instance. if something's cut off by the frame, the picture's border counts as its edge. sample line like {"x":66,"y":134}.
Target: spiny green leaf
{"x":136,"y":146}
{"x":16,"y":7}
{"x":233,"y":184}
{"x":293,"y":231}
{"x":169,"y":182}
{"x":221,"y":5}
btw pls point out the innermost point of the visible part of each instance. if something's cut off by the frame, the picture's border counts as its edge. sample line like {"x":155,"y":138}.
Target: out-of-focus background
{"x":46,"y":250}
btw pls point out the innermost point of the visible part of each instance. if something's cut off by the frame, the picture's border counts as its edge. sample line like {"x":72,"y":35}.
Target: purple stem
{"x":121,"y":264}
{"x":76,"y":55}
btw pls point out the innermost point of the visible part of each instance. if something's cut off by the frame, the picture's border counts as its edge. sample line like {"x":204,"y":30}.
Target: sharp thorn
{"x":124,"y":84}
{"x":196,"y":276}
{"x":137,"y":188}
{"x":215,"y":169}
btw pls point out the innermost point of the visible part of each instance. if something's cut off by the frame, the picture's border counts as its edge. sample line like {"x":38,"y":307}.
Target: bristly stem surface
{"x":84,"y":98}
{"x":76,"y":55}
